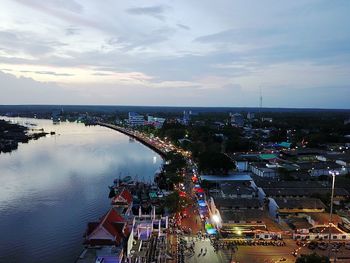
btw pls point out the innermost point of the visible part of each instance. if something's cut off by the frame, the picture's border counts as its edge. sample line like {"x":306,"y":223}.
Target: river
{"x":50,"y":188}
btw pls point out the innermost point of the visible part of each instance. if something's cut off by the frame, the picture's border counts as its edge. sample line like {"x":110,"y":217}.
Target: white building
{"x":237,"y":120}
{"x":155,"y":121}
{"x":250,"y":115}
{"x":136,"y":119}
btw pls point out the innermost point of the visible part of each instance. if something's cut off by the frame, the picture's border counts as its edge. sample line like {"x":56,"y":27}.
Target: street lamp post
{"x":333,"y":173}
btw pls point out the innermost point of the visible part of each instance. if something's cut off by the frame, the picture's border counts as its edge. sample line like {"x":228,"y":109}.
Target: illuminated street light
{"x":333,"y":173}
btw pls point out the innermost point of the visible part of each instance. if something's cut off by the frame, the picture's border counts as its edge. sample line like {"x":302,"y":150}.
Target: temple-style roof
{"x":110,"y":230}
{"x":123,"y":197}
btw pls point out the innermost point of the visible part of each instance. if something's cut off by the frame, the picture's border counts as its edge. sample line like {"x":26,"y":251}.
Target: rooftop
{"x":236,"y":203}
{"x":298,"y":223}
{"x":318,"y":165}
{"x":230,"y":177}
{"x":343,"y":157}
{"x":242,"y":215}
{"x":109,"y":254}
{"x":299,"y":203}
{"x":323,"y":218}
{"x":305,"y":191}
{"x":236,"y":188}
{"x":290,"y":184}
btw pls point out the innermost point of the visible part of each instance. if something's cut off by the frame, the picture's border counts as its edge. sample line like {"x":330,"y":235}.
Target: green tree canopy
{"x":312,"y":258}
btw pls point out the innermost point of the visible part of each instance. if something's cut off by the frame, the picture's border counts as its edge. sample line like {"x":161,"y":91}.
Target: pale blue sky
{"x":196,"y":53}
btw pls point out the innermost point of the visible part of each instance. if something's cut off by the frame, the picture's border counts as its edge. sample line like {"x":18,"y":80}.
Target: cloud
{"x":53,"y":73}
{"x":101,"y":74}
{"x":142,"y":40}
{"x":16,"y":42}
{"x":69,"y":5}
{"x":175,"y":49}
{"x":71,"y":31}
{"x":183,"y":26}
{"x":156,"y":11}
{"x":44,"y":72}
{"x":28,"y":91}
{"x":242,"y":35}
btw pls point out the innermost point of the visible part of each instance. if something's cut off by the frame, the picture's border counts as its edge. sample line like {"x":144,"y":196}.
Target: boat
{"x":125,"y":181}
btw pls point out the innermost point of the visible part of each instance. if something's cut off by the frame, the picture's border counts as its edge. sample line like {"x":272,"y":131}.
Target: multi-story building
{"x":155,"y":121}
{"x":136,"y":119}
{"x":250,"y":115}
{"x":237,"y":120}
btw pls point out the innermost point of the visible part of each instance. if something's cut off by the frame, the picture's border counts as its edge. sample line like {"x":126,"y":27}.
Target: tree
{"x":173,"y":202}
{"x":312,"y":258}
{"x":214,"y":162}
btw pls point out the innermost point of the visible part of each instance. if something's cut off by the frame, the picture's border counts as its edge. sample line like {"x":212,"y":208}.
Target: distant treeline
{"x":152,"y":109}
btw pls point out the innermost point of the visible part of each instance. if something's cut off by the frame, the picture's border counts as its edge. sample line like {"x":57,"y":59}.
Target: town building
{"x":148,"y":240}
{"x":155,"y":121}
{"x":186,"y":118}
{"x":250,"y":115}
{"x":282,"y":207}
{"x":237,"y":119}
{"x":136,"y":119}
{"x":261,"y":169}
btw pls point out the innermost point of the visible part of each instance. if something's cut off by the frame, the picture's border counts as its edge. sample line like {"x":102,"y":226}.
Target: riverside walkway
{"x":155,"y":144}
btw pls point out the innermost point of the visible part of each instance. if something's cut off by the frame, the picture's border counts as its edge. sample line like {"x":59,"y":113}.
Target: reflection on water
{"x":50,"y":188}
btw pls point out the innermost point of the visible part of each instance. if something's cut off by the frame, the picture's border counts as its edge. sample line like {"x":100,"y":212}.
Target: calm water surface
{"x":50,"y":188}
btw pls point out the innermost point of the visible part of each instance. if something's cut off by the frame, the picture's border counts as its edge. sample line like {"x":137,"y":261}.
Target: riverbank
{"x":69,"y":172}
{"x":13,"y":134}
{"x":154,"y":145}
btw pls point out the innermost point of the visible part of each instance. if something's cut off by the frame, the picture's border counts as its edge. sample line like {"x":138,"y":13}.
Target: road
{"x":201,"y":257}
{"x":263,"y":254}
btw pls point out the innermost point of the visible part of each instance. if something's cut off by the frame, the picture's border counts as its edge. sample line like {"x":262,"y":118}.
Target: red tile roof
{"x":113,"y":223}
{"x":123,"y":195}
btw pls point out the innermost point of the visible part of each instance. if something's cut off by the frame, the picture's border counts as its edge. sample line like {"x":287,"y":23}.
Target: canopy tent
{"x":210,"y":229}
{"x":285,"y":144}
{"x":268,"y":156}
{"x":199,"y":190}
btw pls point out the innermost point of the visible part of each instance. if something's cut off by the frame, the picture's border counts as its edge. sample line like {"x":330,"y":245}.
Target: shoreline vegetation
{"x":13,"y":134}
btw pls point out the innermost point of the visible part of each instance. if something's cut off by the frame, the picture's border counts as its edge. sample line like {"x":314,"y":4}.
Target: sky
{"x":176,"y":53}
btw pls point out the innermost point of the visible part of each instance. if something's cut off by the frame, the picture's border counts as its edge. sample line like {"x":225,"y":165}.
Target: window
{"x":334,"y":237}
{"x":343,"y":237}
{"x":266,"y":236}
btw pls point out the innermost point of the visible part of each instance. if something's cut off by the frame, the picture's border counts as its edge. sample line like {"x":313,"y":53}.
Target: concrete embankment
{"x":135,"y":136}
